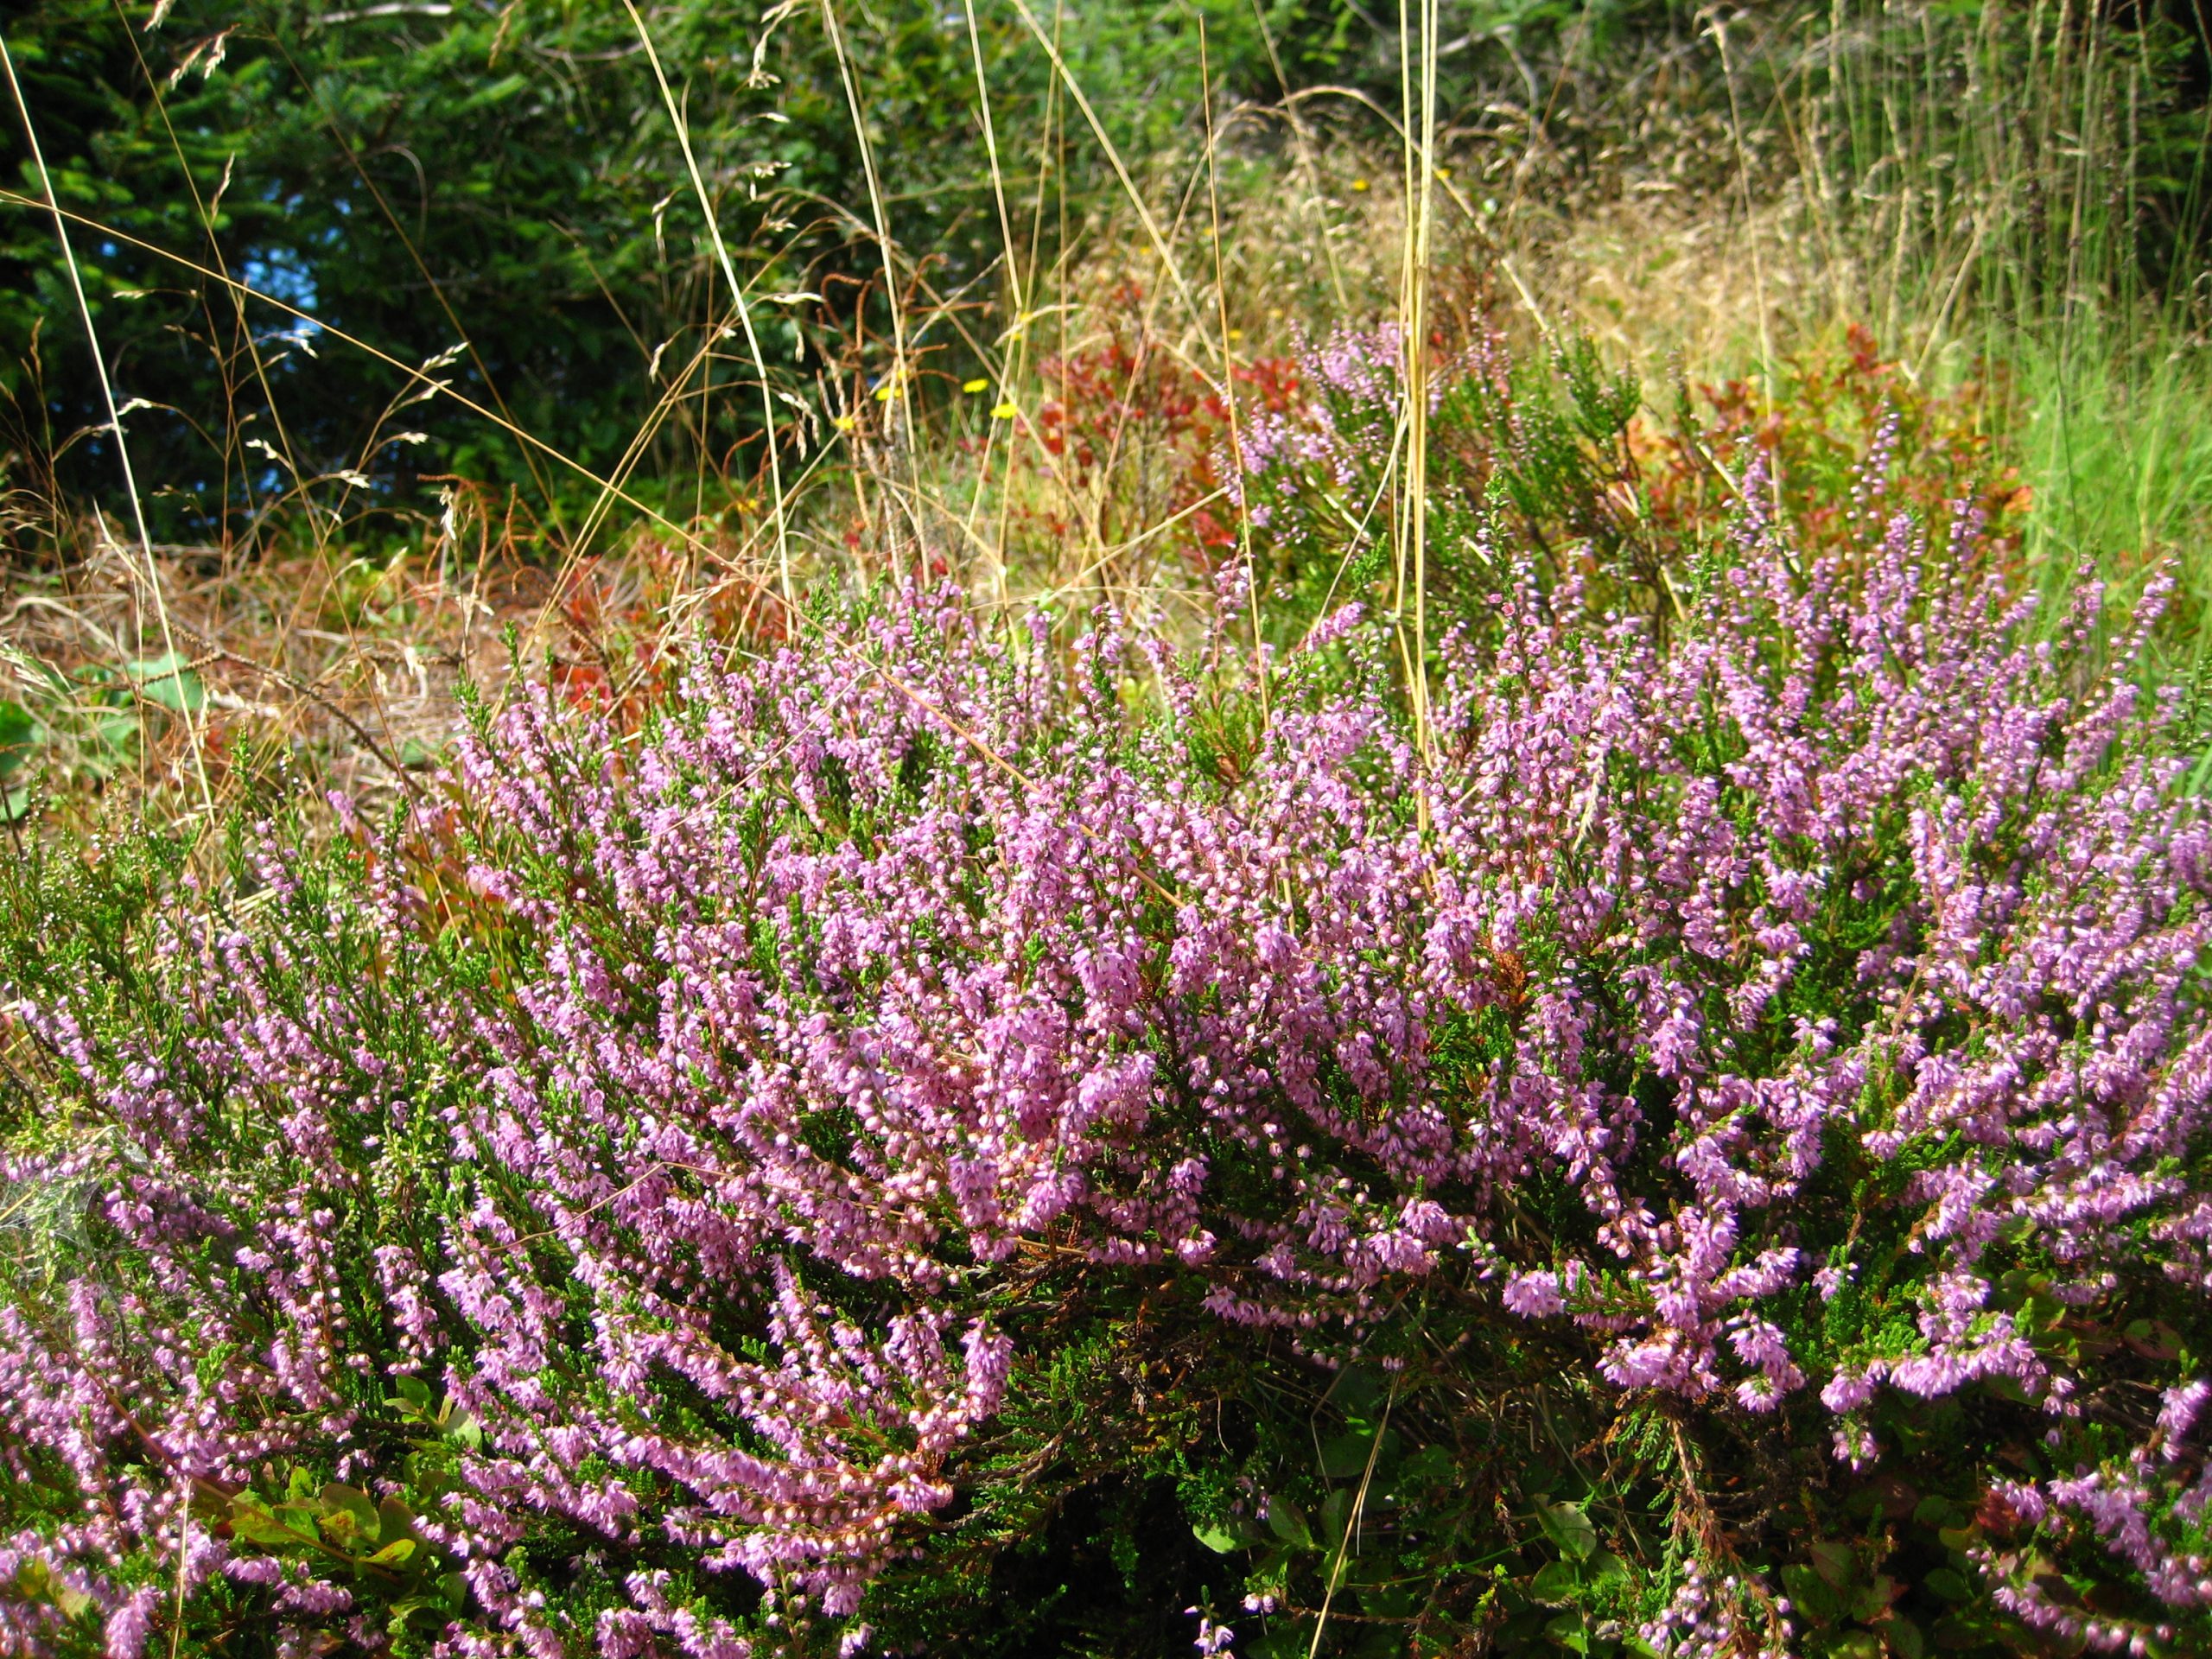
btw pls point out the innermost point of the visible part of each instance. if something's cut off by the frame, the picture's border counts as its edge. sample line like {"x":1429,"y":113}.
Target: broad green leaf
{"x":1219,"y":1540}
{"x":1948,"y":1583}
{"x":1345,"y":1455}
{"x":413,"y":1391}
{"x":1568,"y":1528}
{"x":168,"y":680}
{"x":1288,"y":1522}
{"x":1356,"y":1391}
{"x":253,"y":1521}
{"x":1933,"y":1511}
{"x":1334,"y":1510}
{"x":1814,"y":1598}
{"x":1834,"y":1562}
{"x":1346,"y":1458}
{"x":300,"y":1520}
{"x":118,"y":736}
{"x":349,"y":1517}
{"x":1874,"y":1598}
{"x":34,"y":1582}
{"x":393,"y":1553}
{"x":19,"y":734}
{"x":1567,"y":1631}
{"x":394,"y":1520}
{"x":1554,"y":1583}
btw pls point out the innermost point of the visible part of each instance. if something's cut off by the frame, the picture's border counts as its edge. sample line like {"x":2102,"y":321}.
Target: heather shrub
{"x":1554,"y":452}
{"x":939,"y":1140}
{"x":1544,"y":448}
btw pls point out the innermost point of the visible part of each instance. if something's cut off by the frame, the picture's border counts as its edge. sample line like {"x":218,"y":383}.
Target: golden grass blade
{"x":53,"y":205}
{"x":902,"y":374}
{"x":1160,"y":247}
{"x":1229,"y":389}
{"x":737,"y":294}
{"x":423,"y":377}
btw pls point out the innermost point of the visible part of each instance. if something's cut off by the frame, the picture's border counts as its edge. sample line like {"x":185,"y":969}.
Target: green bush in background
{"x":416,"y":175}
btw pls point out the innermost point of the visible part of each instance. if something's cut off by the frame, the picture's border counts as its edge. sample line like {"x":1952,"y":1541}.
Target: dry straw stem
{"x":901,"y":370}
{"x":336,"y":129}
{"x":1161,"y":246}
{"x":272,"y":670}
{"x":203,"y":210}
{"x":1413,"y":539}
{"x":1309,"y":172}
{"x":430,"y":385}
{"x":107,"y":397}
{"x":737,"y":295}
{"x":1352,"y":1521}
{"x":1229,"y":389}
{"x":423,"y":377}
{"x":425,"y":380}
{"x":1018,"y":304}
{"x":1719,"y":28}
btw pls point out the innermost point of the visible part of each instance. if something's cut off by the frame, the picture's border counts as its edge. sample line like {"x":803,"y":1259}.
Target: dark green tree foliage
{"x":420,"y":176}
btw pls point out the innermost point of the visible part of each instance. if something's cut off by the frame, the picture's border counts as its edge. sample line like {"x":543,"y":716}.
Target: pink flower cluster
{"x":1341,"y":434}
{"x":1809,"y":975}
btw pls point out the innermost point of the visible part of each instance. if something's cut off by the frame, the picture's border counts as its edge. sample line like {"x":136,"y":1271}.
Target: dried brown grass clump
{"x":344,"y":669}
